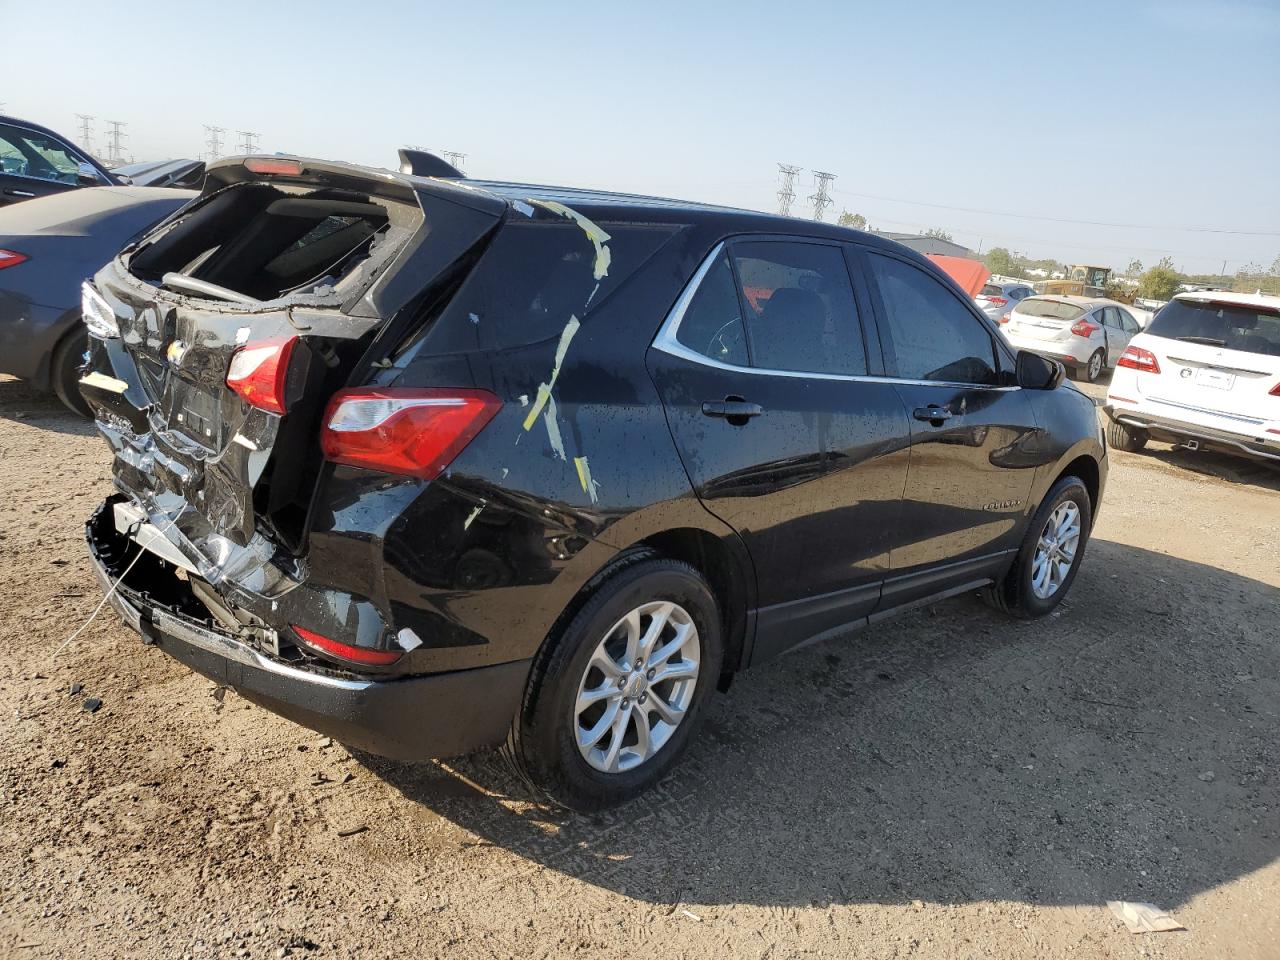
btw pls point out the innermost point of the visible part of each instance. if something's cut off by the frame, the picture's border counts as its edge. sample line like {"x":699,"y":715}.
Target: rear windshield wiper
{"x":202,"y":288}
{"x":1207,"y":341}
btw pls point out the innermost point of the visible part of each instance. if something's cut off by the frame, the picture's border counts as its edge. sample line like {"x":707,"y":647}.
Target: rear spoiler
{"x":398,"y":186}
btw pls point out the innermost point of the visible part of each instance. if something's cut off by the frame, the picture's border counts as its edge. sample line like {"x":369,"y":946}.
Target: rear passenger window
{"x":933,"y":335}
{"x":712,"y":325}
{"x":799,"y":308}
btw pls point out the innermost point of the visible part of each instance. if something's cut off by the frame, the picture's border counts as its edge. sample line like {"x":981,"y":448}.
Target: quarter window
{"x":712,"y":324}
{"x":933,"y":334}
{"x":799,"y":308}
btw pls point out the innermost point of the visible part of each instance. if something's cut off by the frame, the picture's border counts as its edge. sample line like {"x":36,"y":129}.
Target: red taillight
{"x":345,"y":651}
{"x":1083,"y":328}
{"x":998,"y":301}
{"x":1136,"y":358}
{"x":258,"y":372}
{"x":414,"y":432}
{"x":273,"y":165}
{"x":1274,"y":391}
{"x":1005,"y":318}
{"x":11,"y":258}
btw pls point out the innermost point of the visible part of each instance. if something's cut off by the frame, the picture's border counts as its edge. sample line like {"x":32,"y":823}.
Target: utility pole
{"x":821,"y":196}
{"x":214,"y":141}
{"x":248,"y":140}
{"x":115,"y":155}
{"x":456,"y":159}
{"x":86,"y":131}
{"x":787,"y":192}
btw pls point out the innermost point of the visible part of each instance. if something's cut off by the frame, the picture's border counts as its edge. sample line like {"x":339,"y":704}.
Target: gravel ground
{"x":952,"y":784}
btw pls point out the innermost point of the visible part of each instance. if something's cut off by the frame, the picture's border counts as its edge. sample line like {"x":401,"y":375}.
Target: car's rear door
{"x":972,"y":434}
{"x":763,"y":369}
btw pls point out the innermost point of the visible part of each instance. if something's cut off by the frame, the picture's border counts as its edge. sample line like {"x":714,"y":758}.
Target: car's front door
{"x":973,"y":434}
{"x":763,"y":370}
{"x":33,"y":165}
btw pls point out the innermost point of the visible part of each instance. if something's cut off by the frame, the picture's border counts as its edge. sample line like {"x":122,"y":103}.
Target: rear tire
{"x":551,"y":743}
{"x":1027,"y":591}
{"x":1128,"y":439}
{"x":1091,"y":372}
{"x":64,"y":371}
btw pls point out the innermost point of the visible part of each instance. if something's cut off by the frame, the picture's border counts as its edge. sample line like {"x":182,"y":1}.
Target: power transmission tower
{"x":455,"y":158}
{"x":821,"y":197}
{"x":214,"y":141}
{"x":86,"y":131}
{"x":788,"y":192}
{"x":248,"y":140}
{"x":114,"y":153}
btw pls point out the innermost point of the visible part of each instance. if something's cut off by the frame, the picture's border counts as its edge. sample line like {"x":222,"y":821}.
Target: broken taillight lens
{"x":345,"y":651}
{"x":399,"y":430}
{"x":259,"y":370}
{"x":11,"y":258}
{"x":1136,"y":358}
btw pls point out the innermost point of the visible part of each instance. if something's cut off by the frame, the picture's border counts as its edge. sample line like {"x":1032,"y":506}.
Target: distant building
{"x":922,"y":244}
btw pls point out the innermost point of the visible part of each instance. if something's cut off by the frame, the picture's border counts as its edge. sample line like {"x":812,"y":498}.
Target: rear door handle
{"x":933,"y":413}
{"x":19,"y":193}
{"x":732,"y":410}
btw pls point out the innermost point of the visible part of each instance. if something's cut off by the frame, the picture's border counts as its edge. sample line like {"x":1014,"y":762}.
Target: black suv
{"x":433,"y":464}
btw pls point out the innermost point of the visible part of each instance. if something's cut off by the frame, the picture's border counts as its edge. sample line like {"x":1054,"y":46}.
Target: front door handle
{"x":933,"y":413}
{"x":19,"y":193}
{"x":734,"y":409}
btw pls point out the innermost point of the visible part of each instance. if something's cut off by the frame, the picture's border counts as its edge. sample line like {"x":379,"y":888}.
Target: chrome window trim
{"x":667,"y":342}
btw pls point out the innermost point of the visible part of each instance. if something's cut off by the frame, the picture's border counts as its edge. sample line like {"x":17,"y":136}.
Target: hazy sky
{"x":1157,"y":116}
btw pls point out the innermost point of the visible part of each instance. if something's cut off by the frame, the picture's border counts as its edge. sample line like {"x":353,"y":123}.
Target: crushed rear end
{"x":216,"y":342}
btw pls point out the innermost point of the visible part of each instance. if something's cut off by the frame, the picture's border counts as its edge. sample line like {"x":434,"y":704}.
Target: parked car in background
{"x":36,"y":162}
{"x":997,"y":299}
{"x":186,"y":174}
{"x":550,"y":476}
{"x":48,"y":247}
{"x":1205,"y":372}
{"x":1084,"y":333}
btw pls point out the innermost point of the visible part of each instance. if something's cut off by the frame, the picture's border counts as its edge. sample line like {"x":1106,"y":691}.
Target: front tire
{"x":1128,"y":439}
{"x":1050,"y":555}
{"x":616,"y":695}
{"x":64,"y":371}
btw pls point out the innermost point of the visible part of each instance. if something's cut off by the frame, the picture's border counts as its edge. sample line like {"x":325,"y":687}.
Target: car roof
{"x":1267,"y":300}
{"x":614,"y":205}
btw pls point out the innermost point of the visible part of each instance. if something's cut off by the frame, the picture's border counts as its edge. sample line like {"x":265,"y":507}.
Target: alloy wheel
{"x":1056,"y":550}
{"x":1095,"y":366}
{"x":637,"y":687}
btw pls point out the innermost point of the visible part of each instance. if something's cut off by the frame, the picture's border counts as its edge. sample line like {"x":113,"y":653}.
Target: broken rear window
{"x":264,"y":242}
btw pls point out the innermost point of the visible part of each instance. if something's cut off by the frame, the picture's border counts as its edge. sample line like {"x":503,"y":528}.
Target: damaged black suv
{"x":432,"y":464}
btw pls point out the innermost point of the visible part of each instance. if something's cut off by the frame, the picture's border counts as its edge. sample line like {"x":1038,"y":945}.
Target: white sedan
{"x":1087,"y":334}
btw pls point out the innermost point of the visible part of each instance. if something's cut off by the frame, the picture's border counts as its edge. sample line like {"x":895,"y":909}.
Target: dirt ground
{"x":952,"y":784}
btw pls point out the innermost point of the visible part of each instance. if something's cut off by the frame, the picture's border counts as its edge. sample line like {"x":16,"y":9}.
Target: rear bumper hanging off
{"x":406,"y":718}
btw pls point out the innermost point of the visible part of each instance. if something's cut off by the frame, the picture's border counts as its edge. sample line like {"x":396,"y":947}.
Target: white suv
{"x":1205,"y":372}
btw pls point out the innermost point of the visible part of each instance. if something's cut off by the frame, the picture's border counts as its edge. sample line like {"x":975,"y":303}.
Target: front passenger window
{"x":933,"y":335}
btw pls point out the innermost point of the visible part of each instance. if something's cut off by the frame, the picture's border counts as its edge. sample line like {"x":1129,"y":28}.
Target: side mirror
{"x":1034,"y":372}
{"x":87,"y":175}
